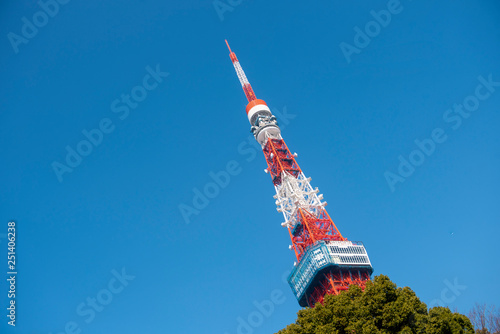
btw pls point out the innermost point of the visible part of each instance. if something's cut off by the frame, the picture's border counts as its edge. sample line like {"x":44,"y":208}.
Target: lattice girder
{"x":294,"y":193}
{"x":311,"y":229}
{"x":279,"y":160}
{"x":334,"y":282}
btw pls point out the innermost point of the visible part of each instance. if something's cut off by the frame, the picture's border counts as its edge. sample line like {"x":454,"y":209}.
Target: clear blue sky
{"x":348,"y":121}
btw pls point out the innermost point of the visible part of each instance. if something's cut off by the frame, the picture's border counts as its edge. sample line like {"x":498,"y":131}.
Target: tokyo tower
{"x":327,"y":263}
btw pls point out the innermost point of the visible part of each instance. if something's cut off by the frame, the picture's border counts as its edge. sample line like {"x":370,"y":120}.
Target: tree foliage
{"x":381,"y":308}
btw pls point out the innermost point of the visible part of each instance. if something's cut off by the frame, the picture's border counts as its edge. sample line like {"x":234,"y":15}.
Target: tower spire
{"x":247,"y":88}
{"x":327,"y":262}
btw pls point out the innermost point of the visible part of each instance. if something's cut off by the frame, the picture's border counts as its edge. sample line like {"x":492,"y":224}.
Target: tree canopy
{"x":381,"y":308}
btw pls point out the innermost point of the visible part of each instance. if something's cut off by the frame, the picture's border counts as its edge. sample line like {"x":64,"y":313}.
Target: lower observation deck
{"x":329,"y":266}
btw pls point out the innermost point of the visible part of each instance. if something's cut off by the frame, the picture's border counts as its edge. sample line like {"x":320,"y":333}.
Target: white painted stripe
{"x":241,"y":75}
{"x":256,"y":108}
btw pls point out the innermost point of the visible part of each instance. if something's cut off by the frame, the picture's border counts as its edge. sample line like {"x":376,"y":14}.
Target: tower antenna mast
{"x":327,"y":263}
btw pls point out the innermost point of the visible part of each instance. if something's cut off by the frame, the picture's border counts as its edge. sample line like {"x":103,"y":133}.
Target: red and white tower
{"x":327,"y":263}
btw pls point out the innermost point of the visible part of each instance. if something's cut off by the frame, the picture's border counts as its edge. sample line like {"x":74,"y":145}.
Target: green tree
{"x":382,"y":308}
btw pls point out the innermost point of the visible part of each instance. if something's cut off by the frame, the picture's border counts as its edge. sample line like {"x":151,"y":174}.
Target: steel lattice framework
{"x":327,"y":263}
